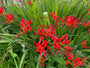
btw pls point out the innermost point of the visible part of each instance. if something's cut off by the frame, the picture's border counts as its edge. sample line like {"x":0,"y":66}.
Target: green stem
{"x":3,"y":29}
{"x":38,"y":63}
{"x":15,"y":63}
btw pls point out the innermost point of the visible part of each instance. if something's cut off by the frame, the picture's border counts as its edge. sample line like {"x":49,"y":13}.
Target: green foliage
{"x":16,"y":58}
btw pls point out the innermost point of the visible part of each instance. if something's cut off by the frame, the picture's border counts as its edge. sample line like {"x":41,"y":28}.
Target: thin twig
{"x":8,"y":51}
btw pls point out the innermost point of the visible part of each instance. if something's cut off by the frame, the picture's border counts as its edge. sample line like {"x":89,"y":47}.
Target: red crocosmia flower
{"x":56,"y":18}
{"x":9,"y":18}
{"x":72,"y":22}
{"x":49,"y":32}
{"x":66,"y":62}
{"x":42,"y":64}
{"x":86,"y":25}
{"x":42,"y":46}
{"x":66,"y":47}
{"x":83,"y":61}
{"x":75,"y":61}
{"x":62,"y":20}
{"x":41,"y":60}
{"x":53,"y":15}
{"x":84,"y":44}
{"x":79,"y":62}
{"x":66,"y":41}
{"x":25,"y":25}
{"x":70,"y":56}
{"x":58,"y":42}
{"x":88,"y":9}
{"x":29,"y":2}
{"x":1,"y":11}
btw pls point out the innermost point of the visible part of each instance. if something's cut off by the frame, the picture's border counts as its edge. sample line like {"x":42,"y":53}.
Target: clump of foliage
{"x":45,"y":34}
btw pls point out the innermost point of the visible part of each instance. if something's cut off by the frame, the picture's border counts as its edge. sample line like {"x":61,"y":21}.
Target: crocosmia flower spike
{"x":9,"y":18}
{"x":25,"y":26}
{"x":1,"y":11}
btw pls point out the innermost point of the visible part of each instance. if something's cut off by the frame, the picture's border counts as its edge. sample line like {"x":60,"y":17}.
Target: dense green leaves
{"x":39,"y":14}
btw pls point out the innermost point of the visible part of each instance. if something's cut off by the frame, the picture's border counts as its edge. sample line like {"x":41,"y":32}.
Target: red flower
{"x":55,"y":43}
{"x":9,"y":18}
{"x":62,"y":20}
{"x":78,"y":62}
{"x":70,"y":56}
{"x":58,"y":42}
{"x":56,"y":18}
{"x":42,"y":46}
{"x":66,"y":41}
{"x":88,"y":9}
{"x":66,"y":47}
{"x":1,"y":11}
{"x":29,"y":2}
{"x":49,"y":32}
{"x":71,"y":22}
{"x":86,"y":25}
{"x":42,"y":64}
{"x":75,"y":61}
{"x":25,"y":25}
{"x":83,"y":61}
{"x":53,"y":15}
{"x":84,"y":44}
{"x":66,"y":62}
{"x":41,"y":60}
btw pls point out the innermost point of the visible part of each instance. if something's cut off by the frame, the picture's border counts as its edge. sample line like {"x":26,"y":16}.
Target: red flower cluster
{"x":49,"y":32}
{"x":84,"y":44}
{"x":42,"y":47}
{"x":88,"y":12}
{"x":71,"y":22}
{"x":78,"y":62}
{"x":74,"y":61}
{"x":1,"y":11}
{"x":41,"y":60}
{"x":86,"y":25}
{"x":68,"y":48}
{"x":57,"y":18}
{"x":88,"y":9}
{"x":57,"y":42}
{"x":29,"y":2}
{"x":9,"y":18}
{"x":25,"y":25}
